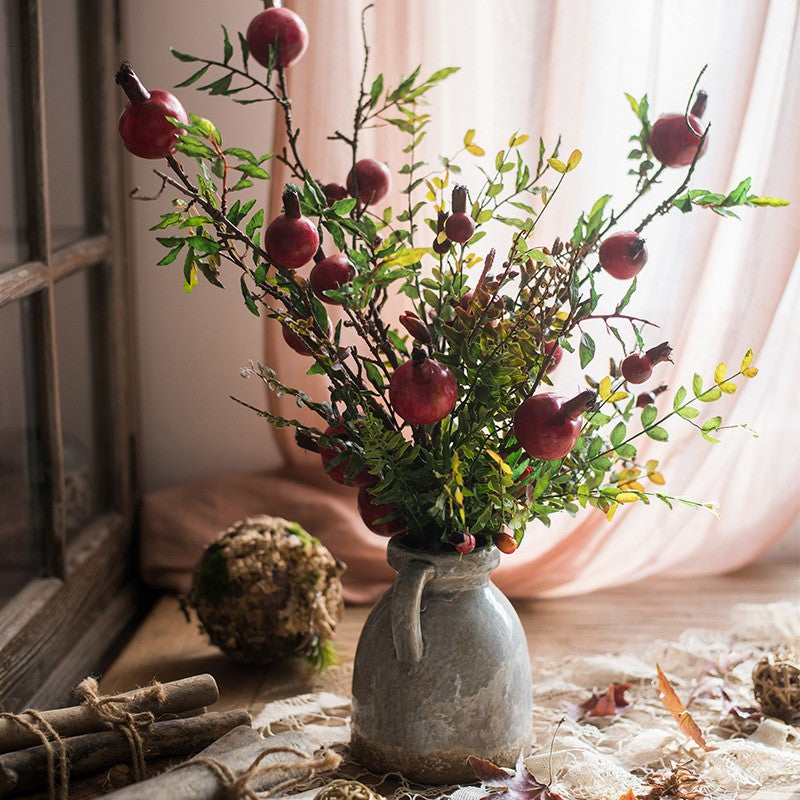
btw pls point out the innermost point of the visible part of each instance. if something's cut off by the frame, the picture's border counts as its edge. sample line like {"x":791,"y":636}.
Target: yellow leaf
{"x":628,"y":474}
{"x":720,"y":372}
{"x":544,"y":195}
{"x":518,"y":140}
{"x":558,"y":166}
{"x":611,"y":511}
{"x":446,"y":178}
{"x":574,"y":159}
{"x":729,"y":387}
{"x":441,"y":237}
{"x":657,"y":478}
{"x":437,"y":182}
{"x":627,"y":497}
{"x":747,"y":360}
{"x":617,"y":396}
{"x":604,"y":389}
{"x":406,"y":257}
{"x":562,"y":315}
{"x":438,"y":207}
{"x":475,"y":150}
{"x":511,"y":138}
{"x":430,"y":196}
{"x":468,"y":137}
{"x":673,"y":704}
{"x":499,"y":459}
{"x":750,"y":372}
{"x":650,"y":466}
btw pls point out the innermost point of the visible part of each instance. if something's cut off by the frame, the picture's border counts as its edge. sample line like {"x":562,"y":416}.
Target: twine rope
{"x":113,"y":709}
{"x":53,"y":747}
{"x":236,"y":785}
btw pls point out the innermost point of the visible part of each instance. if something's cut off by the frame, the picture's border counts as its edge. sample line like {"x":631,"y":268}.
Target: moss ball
{"x":266,"y":590}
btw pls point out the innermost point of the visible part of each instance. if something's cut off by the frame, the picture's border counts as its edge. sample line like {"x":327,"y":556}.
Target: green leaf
{"x":680,"y":396}
{"x":767,"y":201}
{"x":194,"y":148}
{"x":242,"y":154}
{"x":712,"y":394}
{"x":227,"y":47}
{"x":618,"y":434}
{"x":342,"y":208}
{"x":244,"y":47}
{"x":697,"y":385}
{"x":255,"y":223}
{"x":634,"y":103}
{"x":626,"y":450}
{"x":375,"y":91}
{"x":204,"y":245}
{"x":626,"y":299}
{"x":658,"y":433}
{"x":441,"y":74}
{"x":171,"y":256}
{"x":683,"y":203}
{"x":373,"y":373}
{"x":649,"y":414}
{"x":193,"y":78}
{"x":260,"y":274}
{"x":586,"y":350}
{"x":182,"y":56}
{"x":688,"y":412}
{"x":738,"y":195}
{"x":711,"y":424}
{"x":253,"y":171}
{"x":219,"y":86}
{"x":316,"y":369}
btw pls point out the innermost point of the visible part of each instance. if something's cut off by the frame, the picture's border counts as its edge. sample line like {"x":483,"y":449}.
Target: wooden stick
{"x":237,"y":750}
{"x":183,"y":695}
{"x":26,"y":770}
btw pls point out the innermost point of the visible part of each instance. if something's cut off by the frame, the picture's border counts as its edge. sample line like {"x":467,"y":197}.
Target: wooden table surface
{"x":622,"y":619}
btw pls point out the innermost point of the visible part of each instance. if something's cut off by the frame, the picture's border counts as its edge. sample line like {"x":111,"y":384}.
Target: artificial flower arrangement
{"x":448,"y":418}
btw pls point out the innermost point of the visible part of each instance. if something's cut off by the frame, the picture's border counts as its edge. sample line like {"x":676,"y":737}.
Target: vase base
{"x":429,"y":767}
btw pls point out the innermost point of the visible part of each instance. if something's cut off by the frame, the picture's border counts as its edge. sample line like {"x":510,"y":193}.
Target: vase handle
{"x":406,"y":605}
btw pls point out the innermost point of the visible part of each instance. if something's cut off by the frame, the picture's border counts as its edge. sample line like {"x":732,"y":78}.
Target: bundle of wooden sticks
{"x":38,"y":746}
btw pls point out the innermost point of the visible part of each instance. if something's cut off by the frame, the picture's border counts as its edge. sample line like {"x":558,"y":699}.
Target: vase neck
{"x":453,"y":571}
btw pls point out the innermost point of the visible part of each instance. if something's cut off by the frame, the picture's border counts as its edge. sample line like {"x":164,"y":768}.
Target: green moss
{"x":298,"y":530}
{"x":212,"y":581}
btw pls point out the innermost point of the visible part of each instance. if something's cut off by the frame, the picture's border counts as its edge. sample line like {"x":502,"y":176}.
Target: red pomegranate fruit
{"x":459,"y":226}
{"x":332,"y":272}
{"x":337,"y":472}
{"x":556,"y":352}
{"x":623,"y":254}
{"x":505,"y":543}
{"x":143,"y":125}
{"x":279,"y":27}
{"x":291,"y":239}
{"x":334,"y":192}
{"x":422,"y":391}
{"x":672,"y":141}
{"x":371,"y":512}
{"x":649,"y":398}
{"x":369,"y":181}
{"x":638,"y":367}
{"x":547,"y":426}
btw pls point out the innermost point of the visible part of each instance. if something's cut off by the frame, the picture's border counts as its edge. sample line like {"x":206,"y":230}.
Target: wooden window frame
{"x":64,"y":625}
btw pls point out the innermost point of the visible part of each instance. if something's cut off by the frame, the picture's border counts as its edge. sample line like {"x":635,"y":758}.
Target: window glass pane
{"x":13,"y":243}
{"x":74,"y":335}
{"x":21,"y":473}
{"x":65,"y":157}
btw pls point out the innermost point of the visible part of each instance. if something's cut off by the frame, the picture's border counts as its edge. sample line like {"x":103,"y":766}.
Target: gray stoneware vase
{"x":441,"y":671}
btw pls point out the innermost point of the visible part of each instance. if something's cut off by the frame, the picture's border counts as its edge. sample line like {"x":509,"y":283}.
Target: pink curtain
{"x":715,"y":286}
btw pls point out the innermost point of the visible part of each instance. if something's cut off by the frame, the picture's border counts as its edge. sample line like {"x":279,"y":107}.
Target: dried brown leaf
{"x":516,"y":785}
{"x":608,"y":704}
{"x":678,"y":710}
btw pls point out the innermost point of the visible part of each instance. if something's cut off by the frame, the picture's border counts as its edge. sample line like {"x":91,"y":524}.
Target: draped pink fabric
{"x":715,"y":286}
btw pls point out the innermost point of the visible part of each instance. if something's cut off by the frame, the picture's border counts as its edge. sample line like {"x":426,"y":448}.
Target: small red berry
{"x":505,"y":543}
{"x":332,"y":272}
{"x":422,"y":391}
{"x":143,"y":125}
{"x":522,"y":482}
{"x":623,"y":254}
{"x":369,"y":180}
{"x":638,"y":367}
{"x":371,"y":512}
{"x":281,"y":27}
{"x":671,"y":140}
{"x":330,"y":454}
{"x":547,"y":426}
{"x":464,"y":542}
{"x":557,"y":353}
{"x":291,"y":239}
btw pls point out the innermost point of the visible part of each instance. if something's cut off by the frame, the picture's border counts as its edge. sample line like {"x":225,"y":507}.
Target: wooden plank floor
{"x":623,"y":619}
